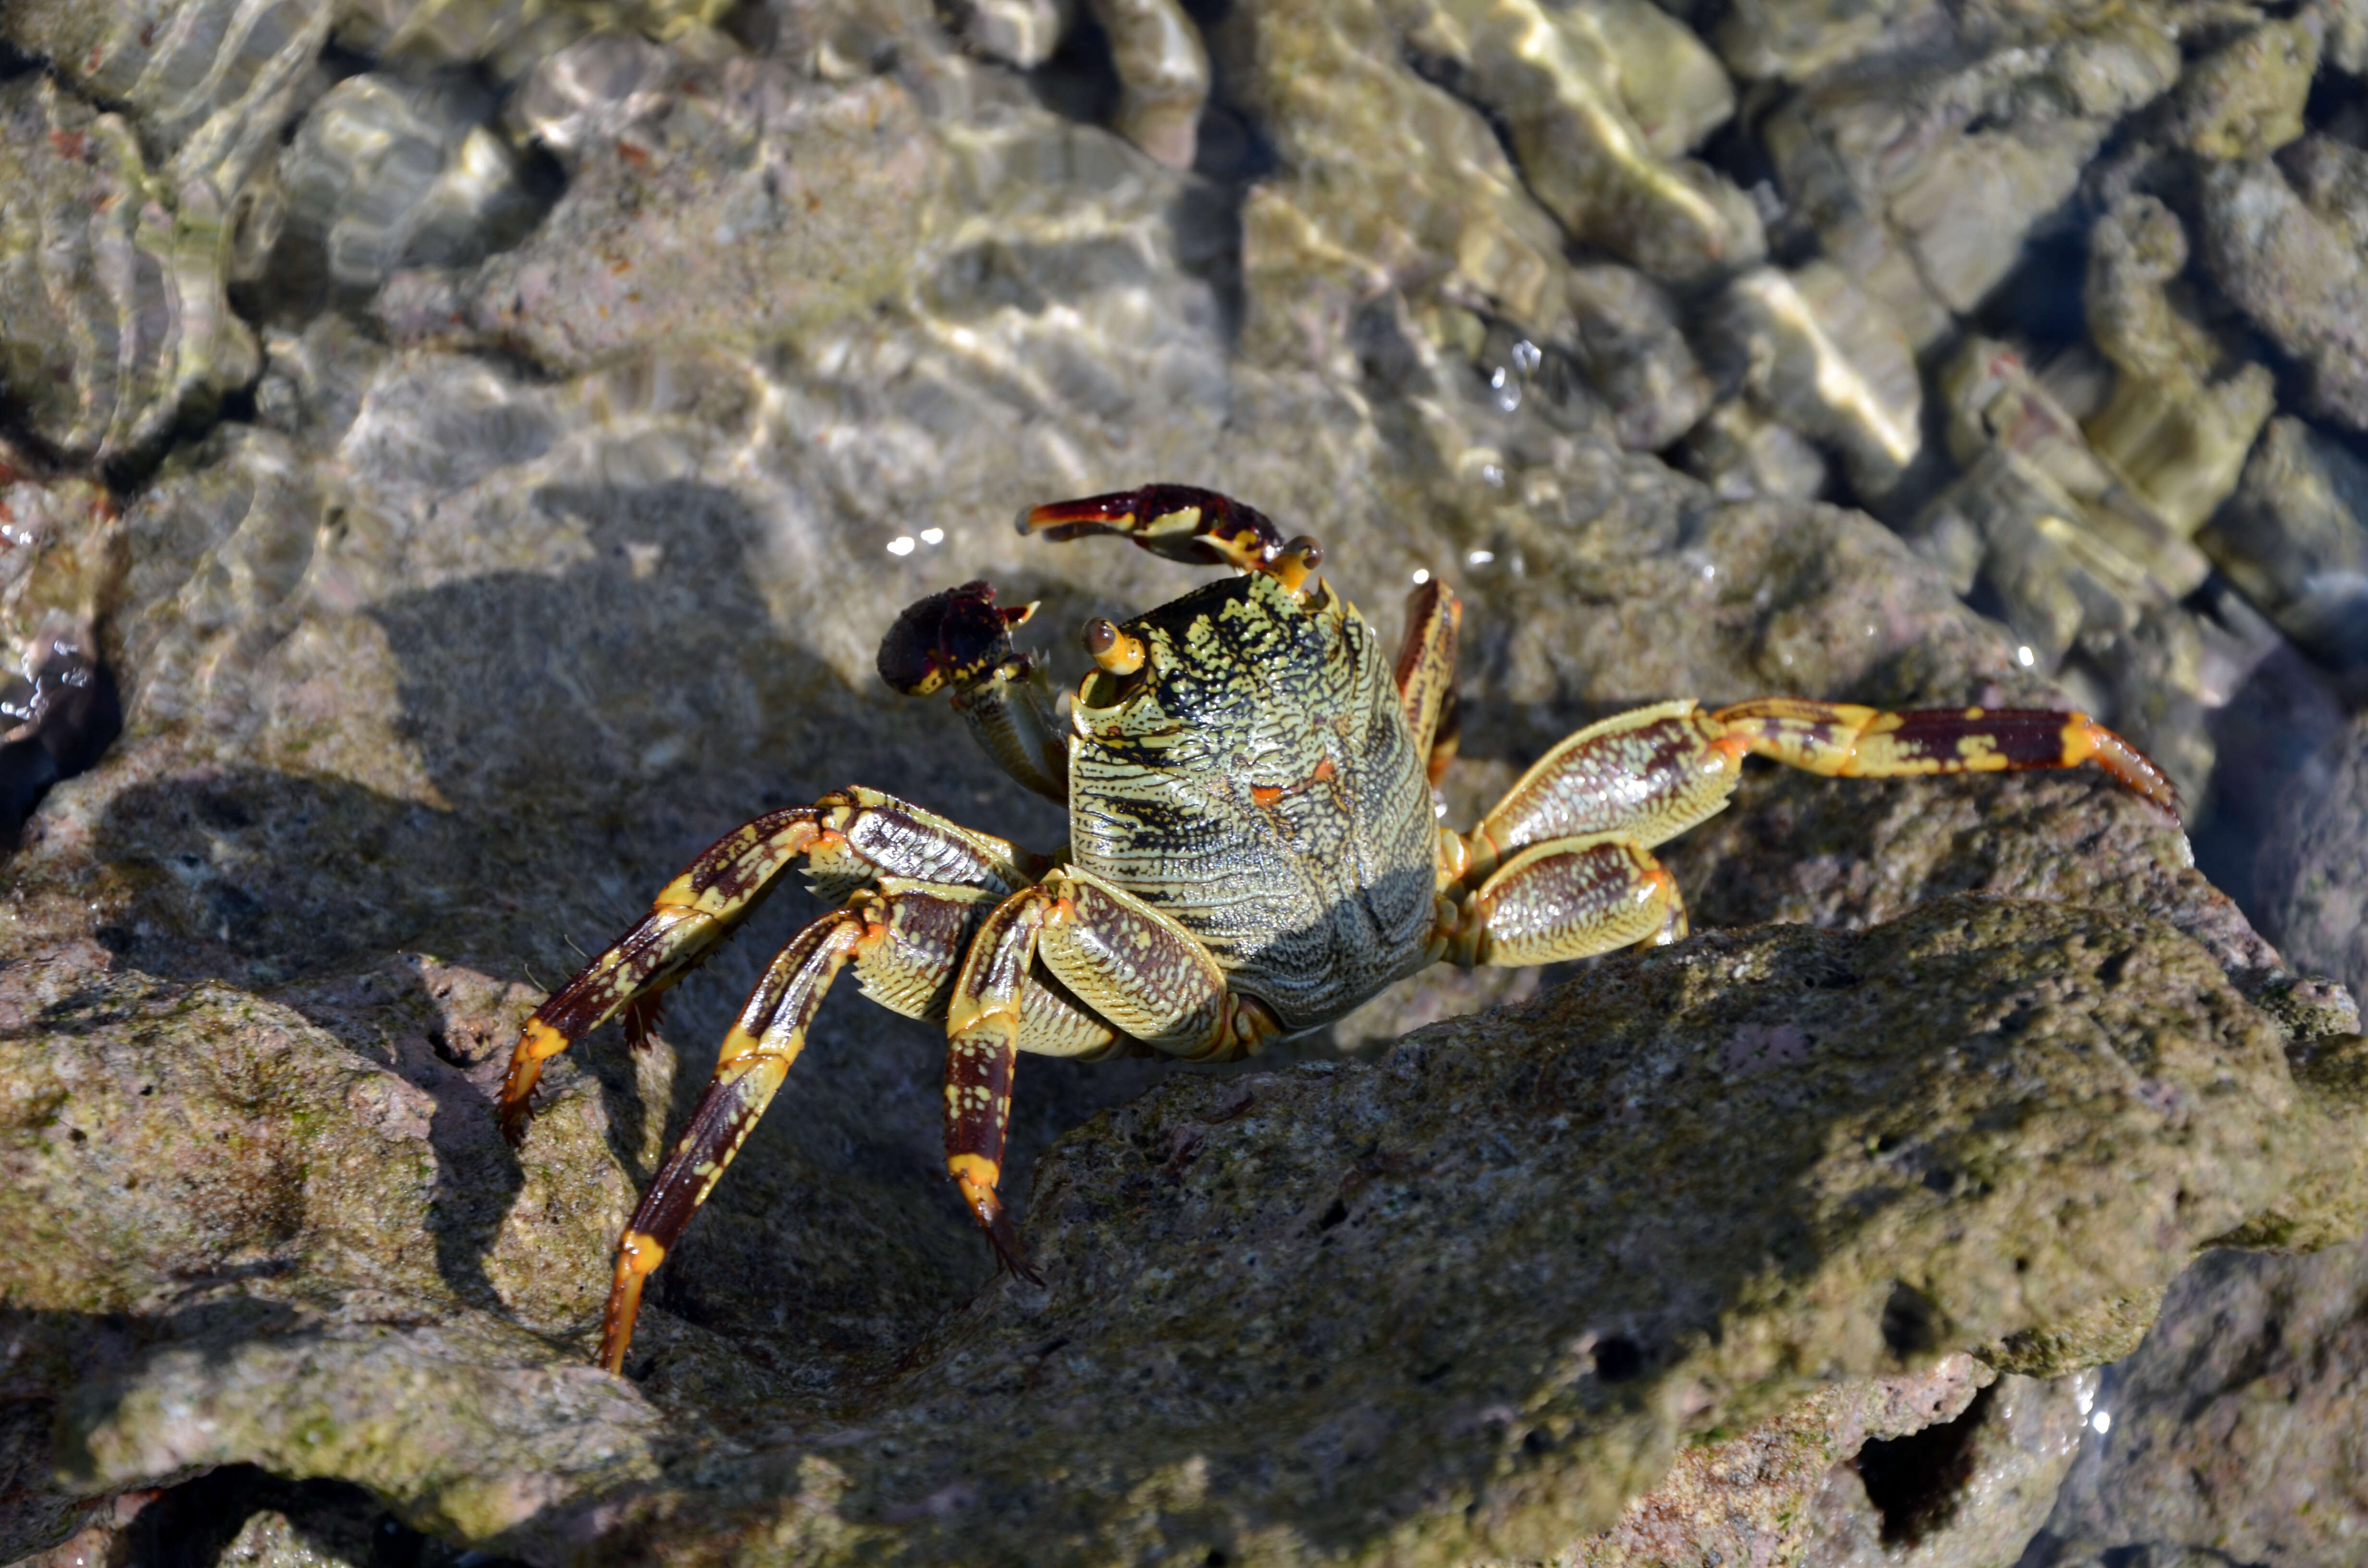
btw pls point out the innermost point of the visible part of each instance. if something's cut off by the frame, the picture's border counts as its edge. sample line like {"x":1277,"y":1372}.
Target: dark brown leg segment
{"x":983,"y":1028}
{"x":755,"y":1057}
{"x":1426,"y":673}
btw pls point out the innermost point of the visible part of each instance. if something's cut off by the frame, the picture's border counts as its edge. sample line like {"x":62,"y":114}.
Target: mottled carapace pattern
{"x":1254,"y":846}
{"x":1258,"y":782}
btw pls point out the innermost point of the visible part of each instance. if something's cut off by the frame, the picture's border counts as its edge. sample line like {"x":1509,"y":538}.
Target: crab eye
{"x":1116,"y":652}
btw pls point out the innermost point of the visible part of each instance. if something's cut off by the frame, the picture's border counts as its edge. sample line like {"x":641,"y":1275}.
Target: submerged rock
{"x":2295,"y":538}
{"x":2184,"y":408}
{"x":113,"y":319}
{"x":1570,"y":88}
{"x":1923,"y":181}
{"x":2245,"y":98}
{"x":2294,"y":274}
{"x":1814,"y":352}
{"x":210,"y":83}
{"x":384,"y":174}
{"x":2312,"y":874}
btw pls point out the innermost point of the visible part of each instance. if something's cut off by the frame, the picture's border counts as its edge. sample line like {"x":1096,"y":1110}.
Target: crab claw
{"x":1181,"y":522}
{"x":956,"y":637}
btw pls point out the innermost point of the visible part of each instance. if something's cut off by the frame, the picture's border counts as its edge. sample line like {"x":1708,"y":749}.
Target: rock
{"x":269,"y":1539}
{"x":2126,"y":556}
{"x":2312,"y":879}
{"x":766,"y":172}
{"x":591,"y":94}
{"x":1415,"y":1425}
{"x":1631,"y":348}
{"x":1024,"y":32}
{"x":1796,"y":38}
{"x":1743,"y":455}
{"x":1162,"y":74}
{"x":1598,"y":104}
{"x":1815,"y":353}
{"x":384,"y":174}
{"x":111,"y":282}
{"x":2006,"y":525}
{"x":2245,"y":98}
{"x":1973,"y":1490}
{"x":1559,"y":83}
{"x":2230,"y":1427}
{"x":2184,"y":409}
{"x":418,"y":36}
{"x":2331,"y":178}
{"x":1922,"y":181}
{"x":210,"y":83}
{"x":497,"y":608}
{"x":2295,"y":538}
{"x":1748,"y":1497}
{"x":2294,"y":275}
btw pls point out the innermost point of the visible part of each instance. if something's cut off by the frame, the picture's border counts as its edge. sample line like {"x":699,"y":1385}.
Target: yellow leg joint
{"x":637,"y":1253}
{"x":975,"y":1171}
{"x":541,"y":1041}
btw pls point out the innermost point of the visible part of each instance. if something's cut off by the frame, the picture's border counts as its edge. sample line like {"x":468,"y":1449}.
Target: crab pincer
{"x":1181,"y":522}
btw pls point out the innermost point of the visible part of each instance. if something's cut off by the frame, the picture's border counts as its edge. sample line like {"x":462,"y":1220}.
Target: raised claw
{"x":955,"y":638}
{"x":1181,"y":522}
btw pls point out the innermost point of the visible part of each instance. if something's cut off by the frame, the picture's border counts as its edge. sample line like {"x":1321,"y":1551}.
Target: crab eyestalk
{"x":1297,"y":563}
{"x":1116,"y":652}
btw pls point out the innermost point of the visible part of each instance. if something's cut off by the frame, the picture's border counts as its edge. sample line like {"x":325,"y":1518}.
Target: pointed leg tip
{"x":513,"y":1120}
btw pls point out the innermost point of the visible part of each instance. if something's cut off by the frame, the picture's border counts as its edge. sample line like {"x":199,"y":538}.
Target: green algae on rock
{"x":1472,"y":1298}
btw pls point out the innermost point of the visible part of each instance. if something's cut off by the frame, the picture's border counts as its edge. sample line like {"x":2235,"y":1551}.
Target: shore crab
{"x":1253,"y":847}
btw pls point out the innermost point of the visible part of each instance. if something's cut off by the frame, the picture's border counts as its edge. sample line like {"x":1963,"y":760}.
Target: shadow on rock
{"x":588,"y":731}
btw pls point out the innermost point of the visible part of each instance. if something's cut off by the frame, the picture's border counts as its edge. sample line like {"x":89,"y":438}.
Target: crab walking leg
{"x":1426,"y":673}
{"x":1139,"y":968}
{"x":983,"y":1022}
{"x":1647,"y":775}
{"x":1849,"y":742}
{"x":1651,"y":773}
{"x":1565,"y":899}
{"x":1137,"y":977}
{"x":755,"y":1057}
{"x":848,"y":837}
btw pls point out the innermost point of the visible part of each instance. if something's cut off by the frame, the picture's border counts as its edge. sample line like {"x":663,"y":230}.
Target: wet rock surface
{"x":2232,"y":1428}
{"x":483,"y":444}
